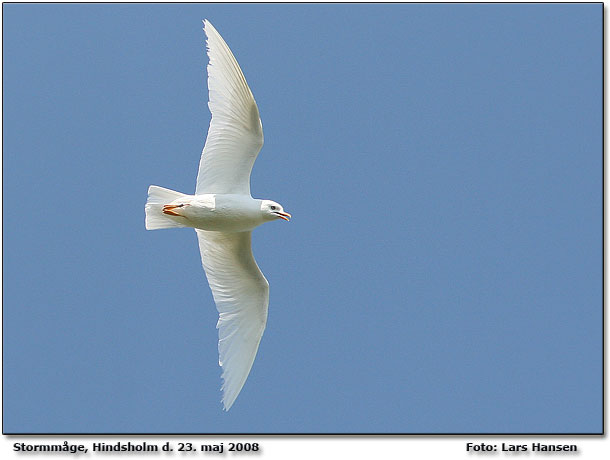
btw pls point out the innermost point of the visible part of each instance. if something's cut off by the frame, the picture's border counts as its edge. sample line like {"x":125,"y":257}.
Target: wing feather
{"x":241,"y":294}
{"x":235,"y":135}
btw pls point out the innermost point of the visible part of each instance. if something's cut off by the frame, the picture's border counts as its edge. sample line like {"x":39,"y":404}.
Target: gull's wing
{"x":235,"y":135}
{"x":241,"y":293}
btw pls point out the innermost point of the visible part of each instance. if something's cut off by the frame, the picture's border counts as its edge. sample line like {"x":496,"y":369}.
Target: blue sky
{"x":442,"y":272}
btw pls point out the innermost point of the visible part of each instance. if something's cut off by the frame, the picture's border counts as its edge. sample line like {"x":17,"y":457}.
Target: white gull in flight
{"x":223,"y":213}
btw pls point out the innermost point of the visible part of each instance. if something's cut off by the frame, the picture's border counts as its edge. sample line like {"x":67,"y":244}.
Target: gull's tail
{"x":157,"y":198}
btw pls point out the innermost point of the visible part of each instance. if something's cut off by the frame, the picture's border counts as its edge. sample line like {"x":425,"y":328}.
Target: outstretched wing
{"x":241,"y":293}
{"x":235,"y":135}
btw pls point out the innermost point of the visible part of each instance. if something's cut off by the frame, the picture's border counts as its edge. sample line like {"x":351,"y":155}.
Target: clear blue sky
{"x":443,"y":268}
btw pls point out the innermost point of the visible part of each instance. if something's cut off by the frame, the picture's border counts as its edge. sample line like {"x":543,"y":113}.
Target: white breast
{"x":221,"y":212}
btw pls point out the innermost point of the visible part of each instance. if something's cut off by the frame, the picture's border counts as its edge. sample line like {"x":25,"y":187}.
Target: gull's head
{"x":272,"y":210}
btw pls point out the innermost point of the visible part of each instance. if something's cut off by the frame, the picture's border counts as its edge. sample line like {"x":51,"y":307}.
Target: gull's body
{"x":223,"y":213}
{"x":217,"y":212}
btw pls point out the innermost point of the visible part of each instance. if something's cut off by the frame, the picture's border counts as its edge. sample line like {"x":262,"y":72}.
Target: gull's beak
{"x":283,"y":215}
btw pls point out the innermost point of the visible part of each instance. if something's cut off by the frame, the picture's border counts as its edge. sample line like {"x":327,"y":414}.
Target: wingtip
{"x":228,"y":395}
{"x":226,"y":405}
{"x":207,"y":26}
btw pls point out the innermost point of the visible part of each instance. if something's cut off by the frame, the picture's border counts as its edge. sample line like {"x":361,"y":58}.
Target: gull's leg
{"x":169,"y":209}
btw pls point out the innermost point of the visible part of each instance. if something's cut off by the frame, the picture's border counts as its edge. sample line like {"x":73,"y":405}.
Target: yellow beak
{"x":283,"y":215}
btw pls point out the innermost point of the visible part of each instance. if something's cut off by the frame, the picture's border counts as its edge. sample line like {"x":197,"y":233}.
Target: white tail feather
{"x":157,"y":198}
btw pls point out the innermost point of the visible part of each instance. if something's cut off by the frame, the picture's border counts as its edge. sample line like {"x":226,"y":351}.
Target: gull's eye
{"x":273,"y":208}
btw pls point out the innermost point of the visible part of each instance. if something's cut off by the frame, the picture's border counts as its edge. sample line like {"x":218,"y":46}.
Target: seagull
{"x":223,"y":213}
